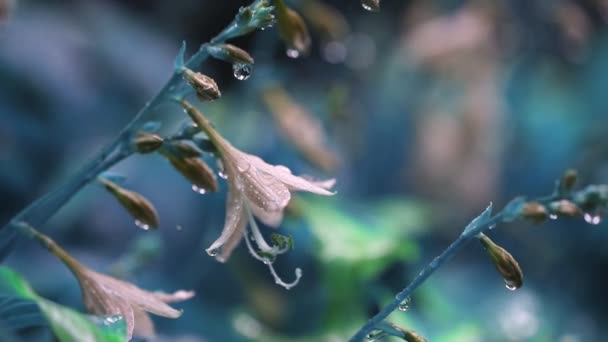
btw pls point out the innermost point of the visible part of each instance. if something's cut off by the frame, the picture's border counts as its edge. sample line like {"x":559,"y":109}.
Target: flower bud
{"x":230,"y":53}
{"x":565,"y":207}
{"x":146,"y":142}
{"x":182,"y":149}
{"x":506,"y":265}
{"x":408,"y":335}
{"x":195,"y":170}
{"x":205,"y":87}
{"x":137,"y":205}
{"x":534,"y":212}
{"x":293,"y":30}
{"x":567,"y":182}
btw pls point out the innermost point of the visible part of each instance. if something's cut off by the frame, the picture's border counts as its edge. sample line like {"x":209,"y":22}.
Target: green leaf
{"x":67,"y":324}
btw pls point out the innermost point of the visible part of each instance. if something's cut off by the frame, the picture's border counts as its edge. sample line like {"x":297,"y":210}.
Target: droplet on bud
{"x":242,"y":71}
{"x":371,"y":5}
{"x":138,"y":206}
{"x":292,"y":53}
{"x":142,"y":225}
{"x":220,"y":169}
{"x":196,"y":189}
{"x":504,"y":262}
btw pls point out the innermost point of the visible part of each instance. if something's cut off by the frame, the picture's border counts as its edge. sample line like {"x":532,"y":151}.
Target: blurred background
{"x":424,"y":112}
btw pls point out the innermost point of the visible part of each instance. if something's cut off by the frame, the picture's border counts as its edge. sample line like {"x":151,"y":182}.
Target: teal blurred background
{"x":432,"y":110}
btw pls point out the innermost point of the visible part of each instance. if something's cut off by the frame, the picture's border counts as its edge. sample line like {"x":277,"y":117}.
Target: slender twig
{"x":435,"y":264}
{"x":38,"y":212}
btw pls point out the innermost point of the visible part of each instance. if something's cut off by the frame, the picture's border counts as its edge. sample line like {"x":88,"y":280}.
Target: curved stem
{"x":38,"y":212}
{"x":433,"y":266}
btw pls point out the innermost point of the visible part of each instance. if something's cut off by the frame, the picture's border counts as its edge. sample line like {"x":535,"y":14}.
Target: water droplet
{"x":220,"y":169}
{"x":510,"y":286}
{"x":293,"y":53}
{"x":109,"y":320}
{"x":375,"y":336}
{"x":594,"y":219}
{"x":242,"y":71}
{"x":553,"y":216}
{"x":142,"y":225}
{"x":213,"y":252}
{"x":405,"y":304}
{"x":370,"y":5}
{"x":435,"y":262}
{"x":201,"y":191}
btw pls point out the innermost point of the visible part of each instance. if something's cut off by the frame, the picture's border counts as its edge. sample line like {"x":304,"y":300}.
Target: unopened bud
{"x":565,"y":207}
{"x":408,"y":335}
{"x":196,"y":171}
{"x":146,"y":142}
{"x":293,"y":30}
{"x":230,"y":53}
{"x":534,"y":212}
{"x":567,"y":182}
{"x":182,"y":149}
{"x":506,"y":265}
{"x":137,"y":205}
{"x":205,"y":87}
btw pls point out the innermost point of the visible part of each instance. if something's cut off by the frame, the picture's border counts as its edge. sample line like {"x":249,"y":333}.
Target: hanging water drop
{"x":553,"y":216}
{"x":293,"y":53}
{"x":405,"y":304}
{"x":594,"y":219}
{"x":220,"y":169}
{"x":371,"y":5}
{"x":213,"y":252}
{"x":511,"y":286}
{"x":242,"y":71}
{"x":142,"y":225}
{"x":196,"y":189}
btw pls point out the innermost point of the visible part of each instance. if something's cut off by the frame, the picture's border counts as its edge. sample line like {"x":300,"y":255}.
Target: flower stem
{"x":39,"y":211}
{"x":433,"y":266}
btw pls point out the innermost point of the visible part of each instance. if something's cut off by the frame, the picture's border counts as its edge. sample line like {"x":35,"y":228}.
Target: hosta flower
{"x":253,"y":185}
{"x":105,"y":295}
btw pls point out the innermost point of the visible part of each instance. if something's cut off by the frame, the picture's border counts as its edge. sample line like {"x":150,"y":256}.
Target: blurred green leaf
{"x":67,"y":324}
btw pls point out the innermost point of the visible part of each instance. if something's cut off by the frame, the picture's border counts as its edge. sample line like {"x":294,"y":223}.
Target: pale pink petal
{"x":144,"y":327}
{"x":235,"y":211}
{"x":177,"y":296}
{"x":269,"y":218}
{"x":233,"y":241}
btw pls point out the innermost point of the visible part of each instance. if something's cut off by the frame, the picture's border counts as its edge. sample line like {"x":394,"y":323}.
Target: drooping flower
{"x":253,"y":185}
{"x":105,"y":295}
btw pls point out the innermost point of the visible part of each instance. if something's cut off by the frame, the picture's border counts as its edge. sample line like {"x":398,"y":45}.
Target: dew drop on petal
{"x":405,"y":304}
{"x":242,"y":71}
{"x":293,"y":53}
{"x":196,"y":189}
{"x":594,"y":219}
{"x":142,"y":225}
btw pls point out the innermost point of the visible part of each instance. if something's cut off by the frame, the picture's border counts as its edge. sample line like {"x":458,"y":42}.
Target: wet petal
{"x":144,"y":327}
